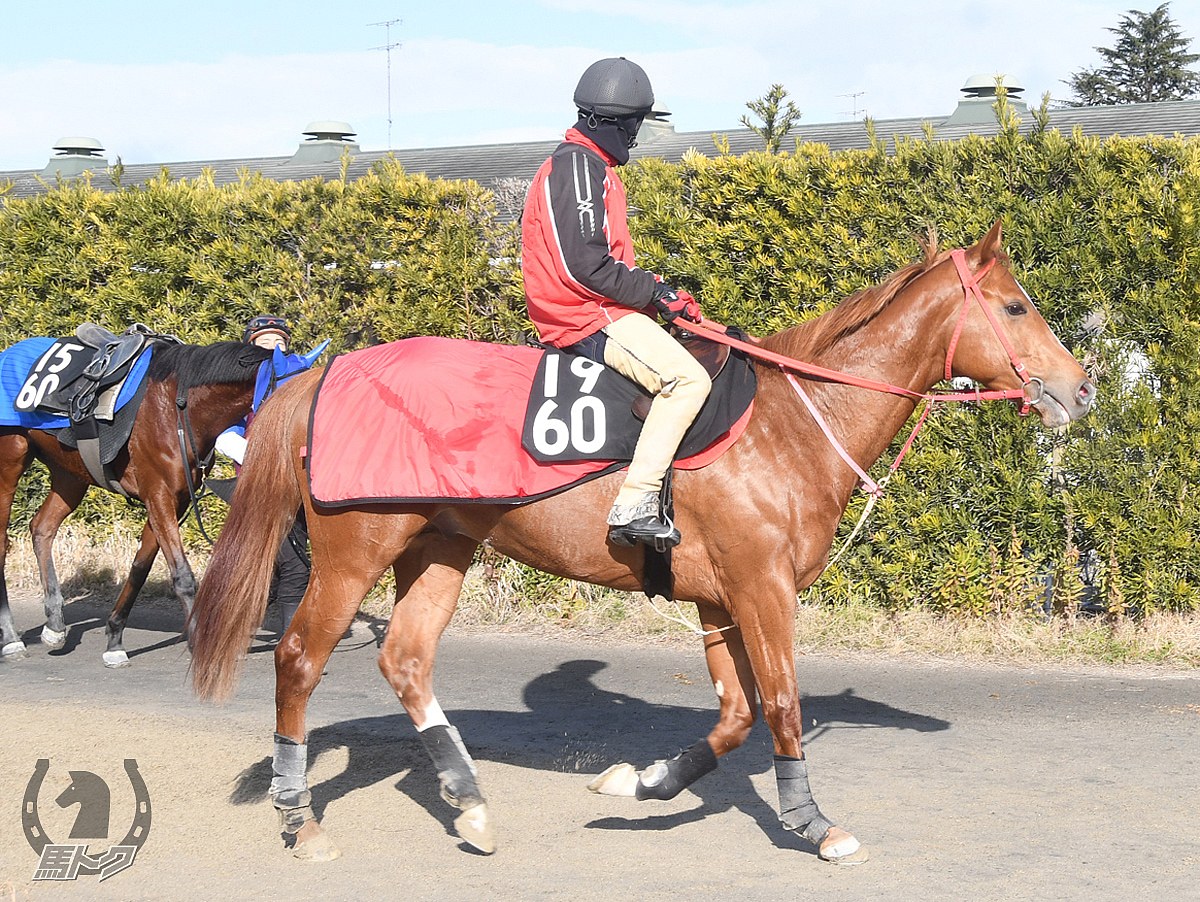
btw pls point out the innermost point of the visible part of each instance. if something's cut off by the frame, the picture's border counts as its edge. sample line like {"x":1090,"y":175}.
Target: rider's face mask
{"x":630,"y":125}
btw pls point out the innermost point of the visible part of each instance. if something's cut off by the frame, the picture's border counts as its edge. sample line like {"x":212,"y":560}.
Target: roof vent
{"x":325,"y":143}
{"x":976,"y":107}
{"x":655,"y":126}
{"x":985,"y":85}
{"x":75,"y":156}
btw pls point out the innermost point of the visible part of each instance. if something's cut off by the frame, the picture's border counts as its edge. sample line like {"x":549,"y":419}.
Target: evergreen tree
{"x":1149,"y":63}
{"x":777,"y":120}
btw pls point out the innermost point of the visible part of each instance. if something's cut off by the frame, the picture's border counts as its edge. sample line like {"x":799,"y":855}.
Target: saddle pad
{"x":113,"y":435}
{"x":582,"y":410}
{"x":18,"y":360}
{"x":428,"y":419}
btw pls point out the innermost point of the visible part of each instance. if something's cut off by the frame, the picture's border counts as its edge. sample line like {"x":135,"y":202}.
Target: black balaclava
{"x":614,"y":136}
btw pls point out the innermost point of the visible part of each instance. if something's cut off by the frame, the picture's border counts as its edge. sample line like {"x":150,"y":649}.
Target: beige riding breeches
{"x":641,"y":350}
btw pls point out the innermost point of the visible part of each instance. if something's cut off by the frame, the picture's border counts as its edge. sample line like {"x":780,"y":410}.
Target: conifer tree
{"x":1149,"y":63}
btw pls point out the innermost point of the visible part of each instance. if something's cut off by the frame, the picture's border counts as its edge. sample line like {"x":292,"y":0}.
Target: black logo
{"x":67,"y":861}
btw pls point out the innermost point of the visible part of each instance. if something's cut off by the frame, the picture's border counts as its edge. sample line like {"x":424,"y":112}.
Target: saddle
{"x":81,"y":377}
{"x":708,"y":354}
{"x":101,"y":379}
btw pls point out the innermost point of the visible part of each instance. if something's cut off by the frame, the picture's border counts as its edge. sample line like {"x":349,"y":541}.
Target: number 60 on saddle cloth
{"x":39,"y":375}
{"x":440,"y":419}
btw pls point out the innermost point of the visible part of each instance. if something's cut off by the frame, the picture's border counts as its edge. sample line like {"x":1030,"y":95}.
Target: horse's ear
{"x":991,"y":245}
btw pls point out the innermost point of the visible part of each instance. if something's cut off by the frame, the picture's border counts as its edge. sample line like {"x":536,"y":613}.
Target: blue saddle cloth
{"x":15,"y":364}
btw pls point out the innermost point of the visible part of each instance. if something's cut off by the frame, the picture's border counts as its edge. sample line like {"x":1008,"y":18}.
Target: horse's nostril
{"x":1087,"y":392}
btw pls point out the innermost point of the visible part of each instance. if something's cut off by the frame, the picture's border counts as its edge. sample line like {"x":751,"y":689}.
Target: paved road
{"x":966,"y":782}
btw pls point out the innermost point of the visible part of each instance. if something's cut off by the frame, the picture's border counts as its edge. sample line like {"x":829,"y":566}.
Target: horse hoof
{"x":13,"y":651}
{"x":475,"y":829}
{"x":116,"y":658}
{"x":843,"y":851}
{"x":314,"y":844}
{"x":618,"y":780}
{"x":53,"y":639}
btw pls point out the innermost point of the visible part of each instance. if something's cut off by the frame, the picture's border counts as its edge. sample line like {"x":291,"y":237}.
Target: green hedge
{"x":1103,"y":234}
{"x":384,"y":257}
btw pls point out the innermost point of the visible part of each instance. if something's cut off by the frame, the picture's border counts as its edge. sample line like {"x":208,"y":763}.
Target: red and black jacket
{"x":576,"y":253}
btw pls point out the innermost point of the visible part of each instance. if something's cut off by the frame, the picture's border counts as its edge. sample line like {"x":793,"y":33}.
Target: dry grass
{"x":1160,"y":639}
{"x":499,"y":596}
{"x":90,"y":564}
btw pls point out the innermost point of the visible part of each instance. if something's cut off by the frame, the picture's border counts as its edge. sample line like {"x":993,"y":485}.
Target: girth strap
{"x":87,"y":443}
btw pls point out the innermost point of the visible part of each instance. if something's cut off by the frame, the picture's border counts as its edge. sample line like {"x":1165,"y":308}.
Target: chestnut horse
{"x":757,"y":527}
{"x":194,"y":393}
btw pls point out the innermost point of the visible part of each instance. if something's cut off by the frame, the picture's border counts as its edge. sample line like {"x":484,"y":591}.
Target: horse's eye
{"x":1015,"y":309}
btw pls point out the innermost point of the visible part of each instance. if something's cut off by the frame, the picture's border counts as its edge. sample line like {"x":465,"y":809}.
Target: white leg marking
{"x":720,"y":689}
{"x":434,"y":717}
{"x":844,"y":851}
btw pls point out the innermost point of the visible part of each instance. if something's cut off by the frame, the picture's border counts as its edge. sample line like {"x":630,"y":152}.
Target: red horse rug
{"x":439,"y":419}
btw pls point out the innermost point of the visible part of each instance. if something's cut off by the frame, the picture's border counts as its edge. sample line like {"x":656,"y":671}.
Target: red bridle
{"x":791,"y":366}
{"x":971,"y":289}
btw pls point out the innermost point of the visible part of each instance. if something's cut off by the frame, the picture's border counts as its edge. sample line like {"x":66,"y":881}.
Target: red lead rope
{"x":716,"y":332}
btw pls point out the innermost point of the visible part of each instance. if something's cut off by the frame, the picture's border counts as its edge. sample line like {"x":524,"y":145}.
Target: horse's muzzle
{"x":1057,"y":408}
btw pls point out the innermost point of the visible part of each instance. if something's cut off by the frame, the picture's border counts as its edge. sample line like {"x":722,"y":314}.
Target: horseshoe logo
{"x":30,"y":821}
{"x":32,"y":825}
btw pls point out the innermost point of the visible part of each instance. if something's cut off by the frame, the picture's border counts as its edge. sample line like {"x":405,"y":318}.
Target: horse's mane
{"x":190,"y":365}
{"x":818,"y":335}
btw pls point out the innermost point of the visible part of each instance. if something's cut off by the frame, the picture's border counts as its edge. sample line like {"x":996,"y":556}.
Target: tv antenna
{"x":387,"y":47}
{"x":856,"y":112}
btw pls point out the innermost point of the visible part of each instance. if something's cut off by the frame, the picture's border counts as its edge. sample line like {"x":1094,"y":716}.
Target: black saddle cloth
{"x":582,"y":410}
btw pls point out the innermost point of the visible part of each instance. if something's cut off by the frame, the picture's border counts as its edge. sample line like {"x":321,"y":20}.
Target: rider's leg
{"x":291,"y":573}
{"x":642,"y":351}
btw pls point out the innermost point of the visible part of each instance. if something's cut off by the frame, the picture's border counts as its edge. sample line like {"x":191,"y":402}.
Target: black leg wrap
{"x":797,"y":810}
{"x":289,"y":787}
{"x":666,"y":779}
{"x":454,"y":767}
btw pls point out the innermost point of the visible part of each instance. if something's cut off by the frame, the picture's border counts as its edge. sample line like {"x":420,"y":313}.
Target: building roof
{"x":492,"y":164}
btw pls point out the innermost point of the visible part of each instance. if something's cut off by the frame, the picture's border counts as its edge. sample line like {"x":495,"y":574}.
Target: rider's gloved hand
{"x":672,"y":305}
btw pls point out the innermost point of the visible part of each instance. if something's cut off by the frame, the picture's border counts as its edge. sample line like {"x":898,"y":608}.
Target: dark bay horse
{"x":216,"y":383}
{"x":757,"y":527}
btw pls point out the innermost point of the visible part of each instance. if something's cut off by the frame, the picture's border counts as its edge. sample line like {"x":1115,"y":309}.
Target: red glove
{"x":672,"y":304}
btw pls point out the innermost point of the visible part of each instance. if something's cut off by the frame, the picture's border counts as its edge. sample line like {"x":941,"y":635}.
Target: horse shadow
{"x":572,"y":725}
{"x":88,"y":601}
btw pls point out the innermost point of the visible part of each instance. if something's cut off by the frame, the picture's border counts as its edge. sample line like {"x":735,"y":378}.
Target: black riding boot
{"x":287,"y":610}
{"x":654,"y":531}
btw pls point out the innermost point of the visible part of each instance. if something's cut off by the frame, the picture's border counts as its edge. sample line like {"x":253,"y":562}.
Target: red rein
{"x":789,"y":365}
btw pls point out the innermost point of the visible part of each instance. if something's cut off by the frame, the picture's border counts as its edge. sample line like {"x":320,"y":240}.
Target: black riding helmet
{"x":618,"y":90}
{"x":613,"y":89}
{"x":261,"y":324}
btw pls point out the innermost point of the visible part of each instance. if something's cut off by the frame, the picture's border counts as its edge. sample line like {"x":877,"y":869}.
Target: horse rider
{"x":292,"y":566}
{"x":586,"y":295}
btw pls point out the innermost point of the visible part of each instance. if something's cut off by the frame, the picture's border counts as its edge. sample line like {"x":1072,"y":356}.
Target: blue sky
{"x":165,"y":81}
